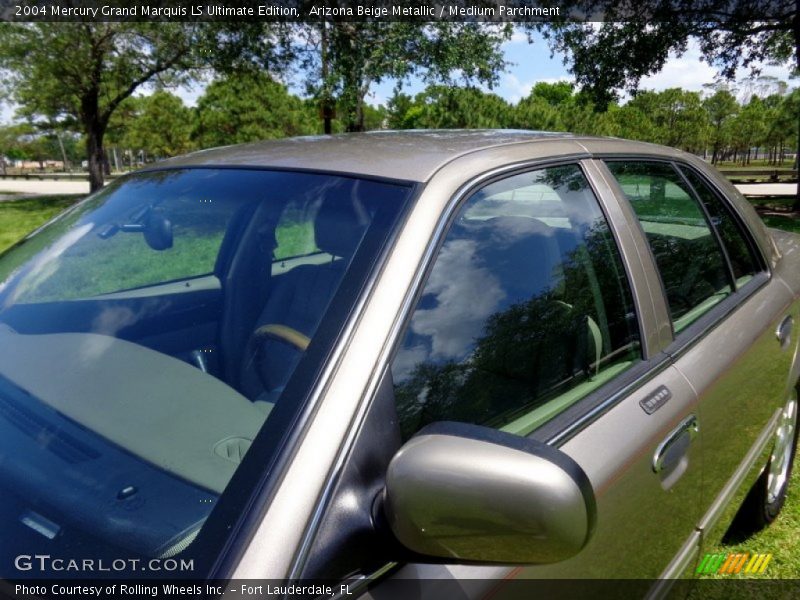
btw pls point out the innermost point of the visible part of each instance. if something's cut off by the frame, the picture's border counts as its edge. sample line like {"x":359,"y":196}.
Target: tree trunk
{"x":327,"y":109}
{"x":94,"y":152}
{"x":63,"y":152}
{"x":95,"y":128}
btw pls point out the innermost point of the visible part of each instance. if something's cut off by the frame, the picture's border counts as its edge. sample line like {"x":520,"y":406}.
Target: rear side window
{"x":740,"y":252}
{"x":686,"y":249}
{"x":527,"y":309}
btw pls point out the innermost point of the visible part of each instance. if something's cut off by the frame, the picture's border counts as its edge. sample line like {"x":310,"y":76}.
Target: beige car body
{"x":639,"y":533}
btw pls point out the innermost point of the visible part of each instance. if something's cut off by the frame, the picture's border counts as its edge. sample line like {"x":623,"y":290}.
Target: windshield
{"x":149,"y":334}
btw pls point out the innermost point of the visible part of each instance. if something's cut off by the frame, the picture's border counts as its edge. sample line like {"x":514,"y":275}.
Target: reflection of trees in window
{"x":740,"y":254}
{"x":690,"y":261}
{"x":531,"y":351}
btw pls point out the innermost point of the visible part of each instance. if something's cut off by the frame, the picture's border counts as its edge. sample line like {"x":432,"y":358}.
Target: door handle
{"x":784,"y":331}
{"x":669,"y":453}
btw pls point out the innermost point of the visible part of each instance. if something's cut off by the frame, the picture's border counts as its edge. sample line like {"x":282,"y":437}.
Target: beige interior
{"x":157,"y":407}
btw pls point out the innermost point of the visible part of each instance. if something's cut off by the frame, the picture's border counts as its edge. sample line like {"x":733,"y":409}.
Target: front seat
{"x":299,"y":298}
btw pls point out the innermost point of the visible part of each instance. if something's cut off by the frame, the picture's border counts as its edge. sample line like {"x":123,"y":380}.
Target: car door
{"x":536,"y":318}
{"x":726,"y":310}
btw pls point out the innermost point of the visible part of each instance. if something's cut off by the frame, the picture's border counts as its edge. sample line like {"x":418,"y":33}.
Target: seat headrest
{"x":340,"y":223}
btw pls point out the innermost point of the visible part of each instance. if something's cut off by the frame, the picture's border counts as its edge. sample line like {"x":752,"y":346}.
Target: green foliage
{"x":616,"y":55}
{"x":79,"y":74}
{"x":442,"y":107}
{"x":676,"y":117}
{"x":249,"y":106}
{"x":342,"y":60}
{"x":159,"y":124}
{"x":721,"y":109}
{"x":673,"y":117}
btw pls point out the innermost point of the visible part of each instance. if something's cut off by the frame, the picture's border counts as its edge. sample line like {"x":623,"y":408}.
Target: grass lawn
{"x":20,"y":217}
{"x":124,"y":261}
{"x":782,"y":539}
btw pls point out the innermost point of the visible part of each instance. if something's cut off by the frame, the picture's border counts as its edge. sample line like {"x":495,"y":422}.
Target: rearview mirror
{"x":157,"y":231}
{"x":468,"y":493}
{"x":154,"y":226}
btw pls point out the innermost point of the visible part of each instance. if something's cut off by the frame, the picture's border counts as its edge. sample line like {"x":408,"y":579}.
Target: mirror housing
{"x":467,"y":493}
{"x":154,"y":226}
{"x":157,"y":231}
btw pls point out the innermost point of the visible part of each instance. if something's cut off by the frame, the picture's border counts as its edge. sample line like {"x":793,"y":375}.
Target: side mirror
{"x":472,"y":494}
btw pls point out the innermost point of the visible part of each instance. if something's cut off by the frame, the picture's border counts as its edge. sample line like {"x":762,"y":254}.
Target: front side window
{"x":526,"y":310}
{"x":686,"y":250}
{"x":146,"y":340}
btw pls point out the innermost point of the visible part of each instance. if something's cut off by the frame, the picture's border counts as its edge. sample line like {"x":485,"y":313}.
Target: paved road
{"x":19,"y":187}
{"x":23,"y":187}
{"x":768,"y":189}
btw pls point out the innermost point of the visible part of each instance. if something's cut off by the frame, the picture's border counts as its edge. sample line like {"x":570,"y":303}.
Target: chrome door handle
{"x":784,"y":331}
{"x":670,"y":452}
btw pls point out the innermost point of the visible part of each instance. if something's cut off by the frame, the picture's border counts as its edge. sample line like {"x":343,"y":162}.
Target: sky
{"x":531,"y":63}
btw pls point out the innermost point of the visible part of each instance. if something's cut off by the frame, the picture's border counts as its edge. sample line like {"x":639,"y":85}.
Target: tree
{"x":443,"y":107}
{"x":749,"y":128}
{"x":730,"y":33}
{"x":246,"y":107}
{"x":86,"y":70}
{"x":344,"y":59}
{"x":721,"y":109}
{"x":677,"y":116}
{"x":12,"y":144}
{"x":161,"y":126}
{"x":83,"y":71}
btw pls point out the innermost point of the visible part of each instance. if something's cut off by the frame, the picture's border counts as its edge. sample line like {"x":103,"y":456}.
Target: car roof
{"x":404,"y":155}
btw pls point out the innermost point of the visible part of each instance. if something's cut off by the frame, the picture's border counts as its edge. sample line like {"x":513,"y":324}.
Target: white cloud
{"x":690,"y":72}
{"x":517,"y":37}
{"x":513,"y":89}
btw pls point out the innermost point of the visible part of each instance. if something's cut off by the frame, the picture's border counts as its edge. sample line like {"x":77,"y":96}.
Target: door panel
{"x":643,"y":521}
{"x":740,"y":373}
{"x":643,"y":517}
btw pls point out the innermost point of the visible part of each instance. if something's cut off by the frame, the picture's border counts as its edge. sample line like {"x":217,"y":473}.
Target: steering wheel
{"x":282,"y":333}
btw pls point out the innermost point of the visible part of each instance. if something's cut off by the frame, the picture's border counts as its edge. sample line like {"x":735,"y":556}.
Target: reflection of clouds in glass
{"x":46,"y":264}
{"x":466,"y":295}
{"x":406,"y":360}
{"x":112,"y":319}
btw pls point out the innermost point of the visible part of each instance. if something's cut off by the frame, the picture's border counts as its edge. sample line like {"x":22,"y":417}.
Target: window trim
{"x":676,"y":167}
{"x":741,"y":226}
{"x":707,"y":216}
{"x":706,"y":323}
